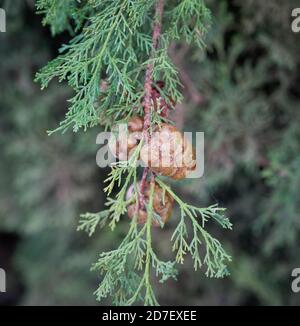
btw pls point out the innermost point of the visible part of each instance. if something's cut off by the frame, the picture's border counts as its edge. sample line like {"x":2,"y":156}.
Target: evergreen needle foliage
{"x":105,"y":64}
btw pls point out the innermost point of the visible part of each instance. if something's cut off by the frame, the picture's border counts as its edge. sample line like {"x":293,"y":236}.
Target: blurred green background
{"x":243,"y":91}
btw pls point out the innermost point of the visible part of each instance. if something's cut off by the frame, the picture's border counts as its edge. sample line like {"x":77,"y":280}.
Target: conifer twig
{"x":114,"y":41}
{"x":148,"y":85}
{"x":149,"y":72}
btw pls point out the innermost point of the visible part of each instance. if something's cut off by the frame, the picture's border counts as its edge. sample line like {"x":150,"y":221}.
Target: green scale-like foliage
{"x":113,"y":45}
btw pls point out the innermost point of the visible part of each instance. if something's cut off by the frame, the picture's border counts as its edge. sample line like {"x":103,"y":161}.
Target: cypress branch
{"x":113,"y":65}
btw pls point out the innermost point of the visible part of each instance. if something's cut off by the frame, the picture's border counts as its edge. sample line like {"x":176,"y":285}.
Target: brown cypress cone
{"x":162,"y":204}
{"x":169,"y":153}
{"x":123,"y":145}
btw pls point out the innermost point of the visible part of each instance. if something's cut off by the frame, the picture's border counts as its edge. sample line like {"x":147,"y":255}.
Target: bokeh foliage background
{"x":243,"y":91}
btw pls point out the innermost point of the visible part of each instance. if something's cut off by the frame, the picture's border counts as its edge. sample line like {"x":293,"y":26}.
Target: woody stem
{"x":159,"y":8}
{"x":149,"y":71}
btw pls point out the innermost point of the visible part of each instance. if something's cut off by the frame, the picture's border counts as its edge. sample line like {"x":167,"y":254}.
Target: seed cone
{"x":169,"y":153}
{"x":123,"y":145}
{"x":162,"y":205}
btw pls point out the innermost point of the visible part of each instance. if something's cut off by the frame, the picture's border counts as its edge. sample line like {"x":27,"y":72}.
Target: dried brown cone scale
{"x":123,"y":145}
{"x":162,"y":205}
{"x":169,"y":153}
{"x":135,"y":123}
